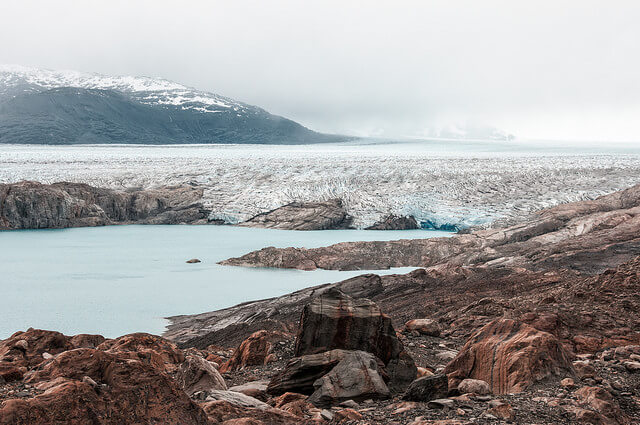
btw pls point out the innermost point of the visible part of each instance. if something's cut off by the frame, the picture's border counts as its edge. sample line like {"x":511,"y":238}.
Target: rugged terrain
{"x":588,"y":236}
{"x":31,"y":205}
{"x":39,"y":106}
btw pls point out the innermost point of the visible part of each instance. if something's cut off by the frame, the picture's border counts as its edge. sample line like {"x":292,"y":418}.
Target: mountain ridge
{"x":68,"y":107}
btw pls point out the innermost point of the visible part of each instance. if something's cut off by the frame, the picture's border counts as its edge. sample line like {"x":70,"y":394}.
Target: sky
{"x":556,"y":70}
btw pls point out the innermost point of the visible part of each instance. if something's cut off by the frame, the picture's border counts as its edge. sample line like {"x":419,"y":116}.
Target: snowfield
{"x":464,"y":184}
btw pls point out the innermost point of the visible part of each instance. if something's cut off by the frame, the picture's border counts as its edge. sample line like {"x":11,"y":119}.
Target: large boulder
{"x":253,"y":351}
{"x":334,"y":320}
{"x":88,"y":386}
{"x":323,"y":215}
{"x":356,"y":377}
{"x":509,"y":356}
{"x":197,"y":374}
{"x":332,"y":377}
{"x":25,"y":349}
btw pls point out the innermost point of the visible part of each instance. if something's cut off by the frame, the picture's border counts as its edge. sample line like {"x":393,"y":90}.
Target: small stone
{"x":326,"y":414}
{"x":88,"y":380}
{"x":22,"y":345}
{"x":568,"y":383}
{"x":350,"y":403}
{"x":441,"y":403}
{"x":632,"y":366}
{"x":46,"y":356}
{"x":476,"y":386}
{"x":193,"y":261}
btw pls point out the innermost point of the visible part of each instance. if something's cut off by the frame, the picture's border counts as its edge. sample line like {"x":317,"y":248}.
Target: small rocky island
{"x":536,"y":323}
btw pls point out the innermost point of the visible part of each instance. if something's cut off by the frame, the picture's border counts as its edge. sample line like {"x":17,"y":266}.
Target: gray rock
{"x":304,"y":216}
{"x":395,"y":222}
{"x":32,"y":205}
{"x":356,"y":377}
{"x":427,"y":388}
{"x":197,"y":374}
{"x":235,"y":398}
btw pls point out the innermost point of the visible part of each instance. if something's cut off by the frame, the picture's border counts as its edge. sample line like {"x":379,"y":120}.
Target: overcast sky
{"x":539,"y":69}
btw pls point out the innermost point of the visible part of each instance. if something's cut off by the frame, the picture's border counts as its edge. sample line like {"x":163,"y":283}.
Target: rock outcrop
{"x":323,"y":215}
{"x":509,"y":356}
{"x":197,"y":374}
{"x":335,"y":320}
{"x":332,"y":376}
{"x":254,"y":350}
{"x":588,"y":236}
{"x":32,"y":205}
{"x":395,"y":222}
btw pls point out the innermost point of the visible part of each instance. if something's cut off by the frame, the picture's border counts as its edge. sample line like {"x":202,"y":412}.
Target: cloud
{"x":545,"y":69}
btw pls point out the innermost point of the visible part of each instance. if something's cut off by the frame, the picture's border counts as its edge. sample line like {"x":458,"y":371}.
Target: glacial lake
{"x":120,"y":279}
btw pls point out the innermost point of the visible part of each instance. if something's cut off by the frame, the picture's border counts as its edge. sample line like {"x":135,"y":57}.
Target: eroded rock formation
{"x":32,"y":205}
{"x":323,"y":215}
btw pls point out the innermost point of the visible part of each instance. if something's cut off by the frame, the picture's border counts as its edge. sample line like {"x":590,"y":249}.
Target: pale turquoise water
{"x":121,"y":279}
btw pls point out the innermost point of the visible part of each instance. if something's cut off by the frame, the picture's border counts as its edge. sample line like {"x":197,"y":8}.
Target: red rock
{"x":87,"y":340}
{"x":347,"y":415}
{"x":125,"y":391}
{"x":220,"y":411}
{"x":159,"y":352}
{"x":602,"y":402}
{"x":294,"y":403}
{"x":510,"y":356}
{"x":10,"y":373}
{"x":502,"y":411}
{"x":26,"y":348}
{"x":253,"y":351}
{"x":475,"y":386}
{"x":424,"y":326}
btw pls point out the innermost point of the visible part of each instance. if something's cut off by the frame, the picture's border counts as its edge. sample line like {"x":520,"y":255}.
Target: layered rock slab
{"x":509,"y":356}
{"x":324,"y":215}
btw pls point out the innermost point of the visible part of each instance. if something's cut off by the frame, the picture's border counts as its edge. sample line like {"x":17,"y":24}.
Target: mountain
{"x":67,"y":107}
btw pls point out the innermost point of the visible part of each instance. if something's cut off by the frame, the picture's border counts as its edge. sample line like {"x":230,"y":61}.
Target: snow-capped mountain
{"x":68,"y":107}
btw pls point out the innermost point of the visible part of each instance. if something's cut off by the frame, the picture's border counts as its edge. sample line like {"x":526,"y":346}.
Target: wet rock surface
{"x":32,"y":205}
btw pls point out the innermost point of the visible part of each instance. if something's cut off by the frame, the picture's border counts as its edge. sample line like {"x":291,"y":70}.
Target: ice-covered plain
{"x":445,"y":182}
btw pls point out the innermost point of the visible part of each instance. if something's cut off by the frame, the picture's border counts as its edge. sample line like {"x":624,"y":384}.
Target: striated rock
{"x":253,"y":351}
{"x":356,"y":377}
{"x":427,"y":388}
{"x":223,"y":412}
{"x":335,"y":320}
{"x":424,"y":326}
{"x":32,"y":205}
{"x":235,"y":398}
{"x":395,"y":222}
{"x":127,"y":391}
{"x":304,"y":216}
{"x":197,"y":374}
{"x":293,"y":403}
{"x":510,"y":356}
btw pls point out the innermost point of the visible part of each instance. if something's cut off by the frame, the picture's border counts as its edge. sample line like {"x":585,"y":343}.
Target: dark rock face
{"x":427,"y":388}
{"x":332,"y":377}
{"x":324,"y":215}
{"x":395,"y":222}
{"x":335,"y":320}
{"x":31,"y":205}
{"x":589,"y":236}
{"x":509,"y":356}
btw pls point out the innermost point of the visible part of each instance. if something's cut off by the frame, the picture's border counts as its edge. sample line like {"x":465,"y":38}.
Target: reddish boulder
{"x":87,"y":341}
{"x":26,"y":348}
{"x":102,"y":388}
{"x":221,"y":411}
{"x":159,"y":352}
{"x":509,"y":356}
{"x":253,"y":351}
